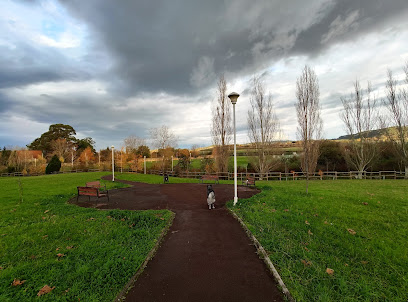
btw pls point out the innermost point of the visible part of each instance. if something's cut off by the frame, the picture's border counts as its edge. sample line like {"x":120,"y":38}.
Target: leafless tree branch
{"x":360,"y":117}
{"x":221,"y":129}
{"x":263,"y":126}
{"x":310,"y":124}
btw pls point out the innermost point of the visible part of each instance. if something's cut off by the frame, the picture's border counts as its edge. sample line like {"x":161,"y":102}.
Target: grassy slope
{"x":102,"y":249}
{"x":312,"y":235}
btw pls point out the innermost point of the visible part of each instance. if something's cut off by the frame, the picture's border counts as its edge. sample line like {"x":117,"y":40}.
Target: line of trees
{"x":360,"y":115}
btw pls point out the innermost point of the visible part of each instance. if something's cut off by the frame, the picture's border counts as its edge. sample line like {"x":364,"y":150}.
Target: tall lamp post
{"x":113,"y":165}
{"x":234,"y":97}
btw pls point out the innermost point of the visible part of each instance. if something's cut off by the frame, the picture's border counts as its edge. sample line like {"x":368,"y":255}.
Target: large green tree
{"x":56,"y":131}
{"x":84,"y":143}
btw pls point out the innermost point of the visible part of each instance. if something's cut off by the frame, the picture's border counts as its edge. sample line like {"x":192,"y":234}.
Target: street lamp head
{"x":112,"y":147}
{"x":233,"y":97}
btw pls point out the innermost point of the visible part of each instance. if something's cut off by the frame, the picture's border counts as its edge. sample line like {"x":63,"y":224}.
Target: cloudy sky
{"x":112,"y":69}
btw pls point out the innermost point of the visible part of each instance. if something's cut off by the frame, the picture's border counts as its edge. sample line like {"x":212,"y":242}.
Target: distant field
{"x":346,"y":241}
{"x":83,"y":254}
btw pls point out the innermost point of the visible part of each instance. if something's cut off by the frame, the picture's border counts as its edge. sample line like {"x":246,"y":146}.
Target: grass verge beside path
{"x":80,"y":253}
{"x":345,"y":241}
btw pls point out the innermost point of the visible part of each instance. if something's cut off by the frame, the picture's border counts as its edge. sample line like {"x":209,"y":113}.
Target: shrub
{"x":53,"y":166}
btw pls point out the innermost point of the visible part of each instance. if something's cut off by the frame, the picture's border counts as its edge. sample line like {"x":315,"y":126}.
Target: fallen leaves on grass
{"x":315,"y":215}
{"x":325,"y":222}
{"x":309,"y":232}
{"x":46,"y":211}
{"x":1,"y":268}
{"x":286,"y":210}
{"x":365,"y":203}
{"x":60,"y":255}
{"x":307,"y":222}
{"x":330,"y":271}
{"x":273,"y":210}
{"x":45,"y":290}
{"x":69,"y":247}
{"x":90,"y":219}
{"x":364,"y":262}
{"x":17,"y":282}
{"x":351,"y":231}
{"x":306,"y":263}
{"x":45,"y":236}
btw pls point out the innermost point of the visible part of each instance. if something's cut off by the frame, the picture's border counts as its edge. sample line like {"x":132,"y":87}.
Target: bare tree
{"x":310,"y":124}
{"x":221,"y":130}
{"x":133,"y":142}
{"x":60,"y":147}
{"x":397,"y":104}
{"x":360,"y":118}
{"x":263,"y":126}
{"x":162,"y":137}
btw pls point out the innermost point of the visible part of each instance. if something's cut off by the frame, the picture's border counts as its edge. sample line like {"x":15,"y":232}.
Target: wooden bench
{"x":91,"y":191}
{"x":210,"y":177}
{"x":250,"y":181}
{"x":95,"y":184}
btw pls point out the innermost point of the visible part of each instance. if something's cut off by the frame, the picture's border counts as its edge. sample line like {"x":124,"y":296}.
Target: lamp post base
{"x":235,"y":200}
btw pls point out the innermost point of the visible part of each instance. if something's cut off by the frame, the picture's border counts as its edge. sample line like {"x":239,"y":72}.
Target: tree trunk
{"x":307,"y":183}
{"x":360,"y":174}
{"x":406,"y":172}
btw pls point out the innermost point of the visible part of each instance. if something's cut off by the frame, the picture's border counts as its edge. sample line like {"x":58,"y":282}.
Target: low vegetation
{"x":62,"y":252}
{"x":345,"y":241}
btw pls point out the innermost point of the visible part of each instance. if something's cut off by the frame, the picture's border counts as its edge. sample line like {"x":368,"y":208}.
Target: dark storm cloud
{"x":182,"y":46}
{"x":346,"y":21}
{"x":5,"y":103}
{"x":24,"y":65}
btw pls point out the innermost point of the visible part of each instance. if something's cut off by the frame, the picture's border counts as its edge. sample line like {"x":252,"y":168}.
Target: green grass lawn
{"x":86,"y":254}
{"x":358,"y":229}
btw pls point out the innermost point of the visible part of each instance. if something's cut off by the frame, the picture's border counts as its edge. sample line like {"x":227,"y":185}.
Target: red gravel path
{"x":205,"y":256}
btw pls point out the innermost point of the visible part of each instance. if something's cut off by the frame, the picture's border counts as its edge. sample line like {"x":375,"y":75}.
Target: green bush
{"x":53,"y":166}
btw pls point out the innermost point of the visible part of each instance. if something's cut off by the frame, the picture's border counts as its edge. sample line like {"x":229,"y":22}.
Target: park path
{"x":205,"y":256}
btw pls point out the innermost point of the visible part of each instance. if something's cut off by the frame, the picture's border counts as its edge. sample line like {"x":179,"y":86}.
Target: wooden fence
{"x":332,"y":175}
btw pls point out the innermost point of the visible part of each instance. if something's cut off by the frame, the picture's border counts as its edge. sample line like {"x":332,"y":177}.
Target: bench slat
{"x":91,"y":191}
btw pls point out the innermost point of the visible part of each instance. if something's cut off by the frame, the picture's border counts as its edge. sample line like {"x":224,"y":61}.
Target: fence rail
{"x":280,"y":176}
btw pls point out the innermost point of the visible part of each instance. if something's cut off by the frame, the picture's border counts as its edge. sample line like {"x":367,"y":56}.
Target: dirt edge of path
{"x":262,"y":253}
{"x":122,"y":294}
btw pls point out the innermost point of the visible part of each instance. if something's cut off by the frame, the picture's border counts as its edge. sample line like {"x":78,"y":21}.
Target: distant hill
{"x":378,"y":133}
